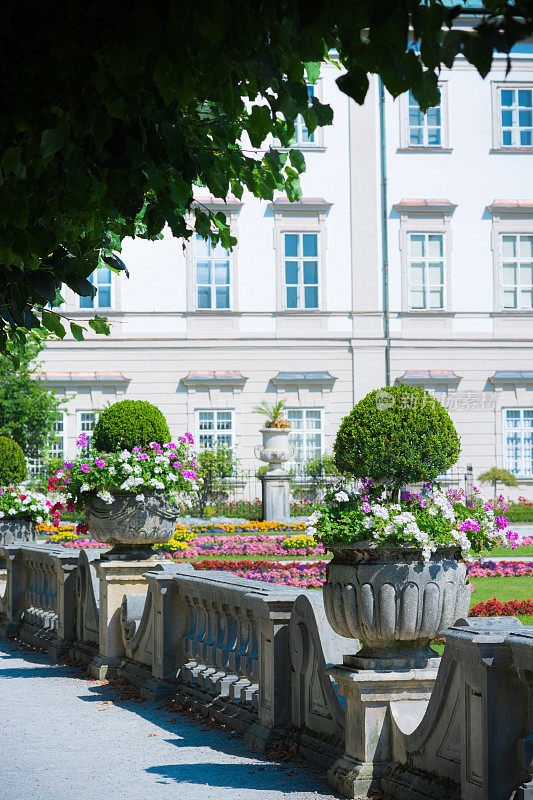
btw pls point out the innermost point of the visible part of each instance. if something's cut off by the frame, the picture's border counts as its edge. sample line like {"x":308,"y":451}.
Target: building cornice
{"x":512,"y":207}
{"x":95,"y":379}
{"x":214,"y":378}
{"x":304,"y":206}
{"x":231,"y":204}
{"x":511,"y":378}
{"x":421,"y":206}
{"x":445,"y":377}
{"x":284,"y":379}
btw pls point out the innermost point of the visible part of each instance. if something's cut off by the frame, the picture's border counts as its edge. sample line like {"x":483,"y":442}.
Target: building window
{"x":516,"y":260}
{"x":305,"y":436}
{"x":426,"y":271}
{"x":423,"y":130}
{"x":214,"y":429}
{"x":57,"y":444}
{"x":86,"y":422}
{"x":515,"y":116}
{"x":212,"y":271}
{"x":518,"y":441}
{"x":101,"y":278}
{"x":300,"y":251}
{"x":301,"y":134}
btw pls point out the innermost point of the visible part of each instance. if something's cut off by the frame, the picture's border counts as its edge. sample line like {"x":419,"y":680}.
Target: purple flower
{"x":142,"y":457}
{"x":136,"y":449}
{"x":85,"y":468}
{"x":99,"y":462}
{"x":189,"y":438}
{"x":170,"y":446}
{"x":82,"y":440}
{"x":155,"y":445}
{"x":366,"y":508}
{"x":68,"y":464}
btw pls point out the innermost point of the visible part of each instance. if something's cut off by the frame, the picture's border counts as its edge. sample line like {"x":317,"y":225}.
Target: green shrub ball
{"x":129,"y":424}
{"x":12,"y":462}
{"x":398,"y":435}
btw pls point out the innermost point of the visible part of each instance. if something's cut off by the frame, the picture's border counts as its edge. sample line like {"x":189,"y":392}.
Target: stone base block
{"x":155,"y":690}
{"x":103,"y":667}
{"x":353,"y":778}
{"x":404,"y":783}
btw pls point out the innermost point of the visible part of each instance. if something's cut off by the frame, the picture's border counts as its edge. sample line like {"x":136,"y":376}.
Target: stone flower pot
{"x":275,"y":450}
{"x":394,"y":602}
{"x":131,"y":526}
{"x":13,"y":531}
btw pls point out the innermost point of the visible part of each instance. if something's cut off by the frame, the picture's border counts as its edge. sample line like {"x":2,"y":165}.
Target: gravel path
{"x":66,"y":737}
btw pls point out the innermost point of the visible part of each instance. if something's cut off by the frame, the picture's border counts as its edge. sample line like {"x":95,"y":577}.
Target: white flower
{"x":124,"y":455}
{"x":433,"y":511}
{"x":310,"y":531}
{"x":314,"y":517}
{"x":137,"y":470}
{"x":2,"y":514}
{"x":85,"y":487}
{"x":107,"y":497}
{"x":380,"y":511}
{"x":139,"y":497}
{"x":341,"y":497}
{"x":158,"y":470}
{"x":12,"y":511}
{"x":368,"y":523}
{"x":156,"y":484}
{"x":127,"y":468}
{"x":112,"y":471}
{"x":38,"y":520}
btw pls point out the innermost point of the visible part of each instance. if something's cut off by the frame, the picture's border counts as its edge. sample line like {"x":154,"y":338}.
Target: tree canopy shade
{"x":112,"y":112}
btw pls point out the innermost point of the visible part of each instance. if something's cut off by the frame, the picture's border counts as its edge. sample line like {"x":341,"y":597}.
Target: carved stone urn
{"x":131,"y":526}
{"x":275,"y":450}
{"x":394,"y":602}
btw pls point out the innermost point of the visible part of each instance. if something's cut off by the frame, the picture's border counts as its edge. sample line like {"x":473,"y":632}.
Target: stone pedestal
{"x":116,"y":578}
{"x":370,"y":698}
{"x":276,"y":495}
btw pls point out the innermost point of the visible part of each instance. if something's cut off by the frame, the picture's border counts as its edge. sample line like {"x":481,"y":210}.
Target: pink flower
{"x":85,"y":468}
{"x":99,"y":462}
{"x":82,"y":440}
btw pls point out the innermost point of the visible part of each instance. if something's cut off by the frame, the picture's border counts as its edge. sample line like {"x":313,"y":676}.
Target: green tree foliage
{"x":129,"y":424}
{"x":12,"y":462}
{"x":27,"y":408}
{"x":213,"y":466}
{"x":495,"y":475}
{"x":113,"y":112}
{"x":397,"y":435}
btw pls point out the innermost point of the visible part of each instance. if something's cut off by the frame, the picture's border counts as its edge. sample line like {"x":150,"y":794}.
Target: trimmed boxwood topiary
{"x":129,"y":424}
{"x":12,"y":462}
{"x":397,"y":435}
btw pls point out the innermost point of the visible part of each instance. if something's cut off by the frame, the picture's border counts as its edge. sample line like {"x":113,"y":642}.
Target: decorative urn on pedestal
{"x":397,"y":579}
{"x":275,"y":451}
{"x":127,"y":480}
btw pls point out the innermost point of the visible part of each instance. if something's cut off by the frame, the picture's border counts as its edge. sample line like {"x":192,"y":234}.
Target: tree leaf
{"x":312,"y":70}
{"x":51,"y":142}
{"x":52,"y":322}
{"x":100,"y":325}
{"x":77,"y":331}
{"x":259,"y":125}
{"x":297,"y":160}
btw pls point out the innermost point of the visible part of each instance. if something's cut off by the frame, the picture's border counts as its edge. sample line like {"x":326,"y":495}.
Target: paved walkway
{"x":69,"y":738}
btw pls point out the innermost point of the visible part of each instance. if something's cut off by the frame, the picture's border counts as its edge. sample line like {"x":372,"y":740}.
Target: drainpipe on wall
{"x":384,"y":231}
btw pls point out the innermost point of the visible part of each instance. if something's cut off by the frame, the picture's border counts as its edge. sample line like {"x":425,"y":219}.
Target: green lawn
{"x":508,"y":551}
{"x":520,"y":588}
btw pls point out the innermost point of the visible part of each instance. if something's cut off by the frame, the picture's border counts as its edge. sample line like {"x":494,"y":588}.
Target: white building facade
{"x":409,"y":259}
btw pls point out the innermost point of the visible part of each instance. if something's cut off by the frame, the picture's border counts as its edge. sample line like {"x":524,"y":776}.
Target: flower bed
{"x":258,"y":545}
{"x":500,"y":569}
{"x":494,"y":608}
{"x":522,"y":511}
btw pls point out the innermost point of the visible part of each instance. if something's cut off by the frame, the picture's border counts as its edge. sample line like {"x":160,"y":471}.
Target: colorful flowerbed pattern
{"x":494,"y":608}
{"x":501,"y":569}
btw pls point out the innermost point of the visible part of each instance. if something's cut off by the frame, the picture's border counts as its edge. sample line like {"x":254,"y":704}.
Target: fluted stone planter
{"x":131,"y":526}
{"x":394,"y":602}
{"x":275,"y":450}
{"x":14,"y":531}
{"x":276,"y":500}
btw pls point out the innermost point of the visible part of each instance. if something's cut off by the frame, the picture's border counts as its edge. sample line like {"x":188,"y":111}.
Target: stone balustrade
{"x":262,"y":659}
{"x":38,"y":601}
